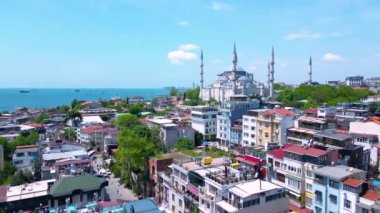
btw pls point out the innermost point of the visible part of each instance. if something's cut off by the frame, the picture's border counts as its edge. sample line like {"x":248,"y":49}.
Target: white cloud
{"x":220,"y":6}
{"x":304,"y":34}
{"x":188,"y":47}
{"x":183,"y":23}
{"x":178,"y":56}
{"x":283,"y":65}
{"x":332,"y":57}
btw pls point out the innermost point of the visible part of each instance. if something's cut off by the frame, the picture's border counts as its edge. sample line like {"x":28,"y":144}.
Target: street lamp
{"x":96,"y":196}
{"x":67,"y":201}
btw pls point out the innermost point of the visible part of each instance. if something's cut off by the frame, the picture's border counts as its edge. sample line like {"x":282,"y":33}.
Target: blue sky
{"x":155,"y":43}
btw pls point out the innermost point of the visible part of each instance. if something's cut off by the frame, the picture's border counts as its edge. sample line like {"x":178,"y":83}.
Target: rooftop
{"x":252,"y":187}
{"x":279,"y":152}
{"x":337,"y":136}
{"x":141,"y":206}
{"x":372,"y":195}
{"x":64,"y":155}
{"x":248,"y":159}
{"x":30,"y":190}
{"x":83,"y":182}
{"x":194,"y":165}
{"x":338,"y":172}
{"x":26,"y":147}
{"x":354,"y":182}
{"x":305,"y":150}
{"x":312,"y":120}
{"x":302,"y":130}
{"x":280,"y":112}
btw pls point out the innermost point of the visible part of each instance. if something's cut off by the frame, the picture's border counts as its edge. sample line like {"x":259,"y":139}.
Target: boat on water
{"x":77,"y":90}
{"x":24,"y":91}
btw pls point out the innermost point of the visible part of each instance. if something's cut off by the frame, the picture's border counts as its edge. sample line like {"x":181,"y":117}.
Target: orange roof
{"x":91,"y":129}
{"x":280,"y":111}
{"x":353,"y":182}
{"x":26,"y":146}
{"x":35,"y":125}
{"x":372,"y":195}
{"x":311,"y":110}
{"x":375,"y":119}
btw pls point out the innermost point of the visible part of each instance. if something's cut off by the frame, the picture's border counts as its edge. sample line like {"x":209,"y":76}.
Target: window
{"x":276,"y":164}
{"x":180,"y":202}
{"x":249,"y":203}
{"x":365,"y":211}
{"x":308,"y":201}
{"x":294,"y":183}
{"x":309,"y":173}
{"x":308,"y":187}
{"x":347,"y":204}
{"x":333,"y":199}
{"x":208,"y":205}
{"x":173,"y":208}
{"x":173,"y":197}
{"x":334,"y":184}
{"x":266,"y":135}
{"x":318,"y":197}
{"x":318,"y":210}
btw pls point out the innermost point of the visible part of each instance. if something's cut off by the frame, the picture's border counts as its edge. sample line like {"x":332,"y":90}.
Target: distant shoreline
{"x":10,"y":98}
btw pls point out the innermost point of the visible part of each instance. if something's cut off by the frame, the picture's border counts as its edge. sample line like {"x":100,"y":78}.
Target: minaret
{"x":234,"y":69}
{"x":268,"y":82}
{"x":201,"y":93}
{"x":310,"y":71}
{"x":271,"y":76}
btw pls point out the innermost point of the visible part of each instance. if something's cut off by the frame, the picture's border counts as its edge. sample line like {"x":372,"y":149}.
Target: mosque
{"x":237,"y":82}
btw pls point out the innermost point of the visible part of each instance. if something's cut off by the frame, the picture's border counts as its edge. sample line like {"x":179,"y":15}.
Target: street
{"x":114,"y":190}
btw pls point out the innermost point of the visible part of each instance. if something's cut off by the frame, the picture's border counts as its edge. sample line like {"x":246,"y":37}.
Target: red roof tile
{"x":281,"y":112}
{"x":279,"y":152}
{"x":305,"y":150}
{"x":248,"y":159}
{"x":92,"y":129}
{"x":311,"y":110}
{"x":26,"y":146}
{"x":372,"y":195}
{"x":353,"y":182}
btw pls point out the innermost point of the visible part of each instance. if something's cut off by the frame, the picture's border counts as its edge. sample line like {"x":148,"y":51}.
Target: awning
{"x":309,"y":194}
{"x":194,"y":190}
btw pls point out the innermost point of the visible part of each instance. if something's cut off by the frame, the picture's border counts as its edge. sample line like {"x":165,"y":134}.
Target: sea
{"x":48,"y":98}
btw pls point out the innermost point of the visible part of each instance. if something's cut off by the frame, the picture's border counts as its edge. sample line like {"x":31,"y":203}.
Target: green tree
{"x":73,"y":116}
{"x":184,"y":144}
{"x":63,"y":109}
{"x":41,"y":118}
{"x":69,"y":134}
{"x":7,"y":172}
{"x":8,"y":149}
{"x":75,"y":103}
{"x":135,"y":109}
{"x":21,"y":177}
{"x":127,"y":121}
{"x":173,"y":91}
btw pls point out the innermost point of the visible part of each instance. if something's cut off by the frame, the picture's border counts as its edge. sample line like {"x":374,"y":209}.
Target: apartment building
{"x":305,"y":129}
{"x":330,"y":188}
{"x":292,"y":168}
{"x":25,"y":156}
{"x":249,"y":127}
{"x":94,"y":136}
{"x":254,"y":196}
{"x":230,"y":111}
{"x":272,"y":126}
{"x":203,"y":120}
